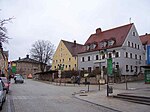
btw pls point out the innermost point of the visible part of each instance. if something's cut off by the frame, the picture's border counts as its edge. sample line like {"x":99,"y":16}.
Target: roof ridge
{"x":71,"y":42}
{"x":117,"y":27}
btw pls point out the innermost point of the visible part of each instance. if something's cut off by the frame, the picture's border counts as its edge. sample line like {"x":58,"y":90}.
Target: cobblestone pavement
{"x":33,"y":96}
{"x":138,"y":88}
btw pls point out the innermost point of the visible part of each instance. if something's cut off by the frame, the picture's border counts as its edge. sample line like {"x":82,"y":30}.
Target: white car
{"x":2,"y":94}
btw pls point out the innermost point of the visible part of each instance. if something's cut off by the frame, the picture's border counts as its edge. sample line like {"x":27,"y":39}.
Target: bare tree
{"x":42,"y":51}
{"x":3,"y":30}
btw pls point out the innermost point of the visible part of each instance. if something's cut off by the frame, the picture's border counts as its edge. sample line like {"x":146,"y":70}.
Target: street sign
{"x":147,"y":76}
{"x":148,"y":54}
{"x":13,"y":68}
{"x":109,"y":67}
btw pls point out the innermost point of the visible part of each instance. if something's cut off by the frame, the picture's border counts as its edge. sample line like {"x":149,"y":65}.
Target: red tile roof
{"x":118,"y":34}
{"x":73,"y":47}
{"x":145,"y":39}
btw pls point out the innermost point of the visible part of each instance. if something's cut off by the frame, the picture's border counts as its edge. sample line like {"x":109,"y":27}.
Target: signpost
{"x":109,"y":67}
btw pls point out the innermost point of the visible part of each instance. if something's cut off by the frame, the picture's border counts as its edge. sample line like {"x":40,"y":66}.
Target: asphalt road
{"x":34,"y":96}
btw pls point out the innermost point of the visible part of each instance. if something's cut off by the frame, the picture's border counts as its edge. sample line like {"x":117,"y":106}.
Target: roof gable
{"x":73,"y":47}
{"x":117,"y":34}
{"x":145,"y":39}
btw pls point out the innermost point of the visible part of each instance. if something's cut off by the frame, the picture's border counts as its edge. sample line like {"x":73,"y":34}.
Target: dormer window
{"x":91,"y":46}
{"x":101,"y":44}
{"x":94,"y":46}
{"x":105,"y":44}
{"x":111,"y":42}
{"x":88,"y":47}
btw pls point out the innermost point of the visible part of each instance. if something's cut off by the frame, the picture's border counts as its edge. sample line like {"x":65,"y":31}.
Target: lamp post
{"x":109,"y":68}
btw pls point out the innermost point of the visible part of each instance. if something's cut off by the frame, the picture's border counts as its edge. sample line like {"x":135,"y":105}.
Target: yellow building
{"x":65,"y":56}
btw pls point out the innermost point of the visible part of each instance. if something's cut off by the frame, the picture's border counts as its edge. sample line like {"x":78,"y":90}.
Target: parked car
{"x":6,"y":83}
{"x":19,"y":79}
{"x":2,"y":94}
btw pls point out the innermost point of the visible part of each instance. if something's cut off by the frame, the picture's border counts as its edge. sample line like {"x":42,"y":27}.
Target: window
{"x":135,"y":56}
{"x":135,"y":45}
{"x":138,"y":46}
{"x":126,"y":55}
{"x":60,"y":60}
{"x":101,"y":44}
{"x":134,"y":33}
{"x":132,"y":44}
{"x":130,"y":55}
{"x":131,"y":68}
{"x":63,"y":60}
{"x":88,"y":47}
{"x":93,"y":46}
{"x":136,"y":69}
{"x":88,"y":58}
{"x":89,"y":69}
{"x":103,"y":56}
{"x":111,"y":42}
{"x":75,"y":65}
{"x":69,"y":67}
{"x":105,"y":44}
{"x":69,"y":59}
{"x":96,"y":57}
{"x":82,"y":59}
{"x":55,"y":67}
{"x":140,"y":57}
{"x":117,"y":54}
{"x":66,"y":66}
{"x":128,"y":44}
{"x":109,"y":55}
{"x":127,"y":68}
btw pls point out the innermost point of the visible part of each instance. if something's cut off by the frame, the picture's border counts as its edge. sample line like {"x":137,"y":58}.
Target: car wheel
{"x":4,"y":99}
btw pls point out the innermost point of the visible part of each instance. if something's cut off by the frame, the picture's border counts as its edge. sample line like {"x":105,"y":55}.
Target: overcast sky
{"x":70,"y":20}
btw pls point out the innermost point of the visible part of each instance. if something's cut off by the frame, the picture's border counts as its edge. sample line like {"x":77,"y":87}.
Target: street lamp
{"x":109,"y":69}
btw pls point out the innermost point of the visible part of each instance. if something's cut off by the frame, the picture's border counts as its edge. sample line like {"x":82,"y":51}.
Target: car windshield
{"x":19,"y":77}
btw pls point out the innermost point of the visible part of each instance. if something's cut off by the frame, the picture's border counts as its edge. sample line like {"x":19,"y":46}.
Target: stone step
{"x":135,"y":99}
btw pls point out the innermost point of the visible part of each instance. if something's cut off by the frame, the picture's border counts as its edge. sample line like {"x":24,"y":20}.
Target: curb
{"x":96,"y":104}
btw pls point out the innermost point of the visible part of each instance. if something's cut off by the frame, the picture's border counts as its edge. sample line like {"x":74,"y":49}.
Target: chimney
{"x":145,"y":33}
{"x":27,"y":56}
{"x":75,"y":43}
{"x":98,"y":30}
{"x":19,"y":58}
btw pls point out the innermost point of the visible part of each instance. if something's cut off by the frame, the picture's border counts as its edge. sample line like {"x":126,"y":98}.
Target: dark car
{"x":19,"y":79}
{"x":6,"y":83}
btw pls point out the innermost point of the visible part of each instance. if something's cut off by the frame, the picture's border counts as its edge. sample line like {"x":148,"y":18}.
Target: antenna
{"x":130,"y":20}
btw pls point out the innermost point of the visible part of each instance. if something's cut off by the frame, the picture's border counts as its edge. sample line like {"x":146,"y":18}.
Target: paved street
{"x":33,"y":96}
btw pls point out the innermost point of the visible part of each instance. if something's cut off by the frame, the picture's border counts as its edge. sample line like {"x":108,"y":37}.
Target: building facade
{"x":145,"y":39}
{"x":65,"y":56}
{"x":3,"y":62}
{"x":26,"y":66}
{"x":121,"y":44}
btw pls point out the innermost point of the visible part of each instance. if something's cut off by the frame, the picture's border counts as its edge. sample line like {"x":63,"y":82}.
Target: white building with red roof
{"x":122,"y":44}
